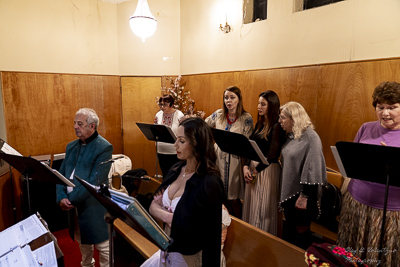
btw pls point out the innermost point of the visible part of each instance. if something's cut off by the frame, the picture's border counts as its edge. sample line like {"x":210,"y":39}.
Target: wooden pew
{"x":136,"y":240}
{"x":148,"y":187}
{"x":247,"y":245}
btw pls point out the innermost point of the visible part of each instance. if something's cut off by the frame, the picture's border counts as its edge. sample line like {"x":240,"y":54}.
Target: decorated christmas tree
{"x":183,"y":101}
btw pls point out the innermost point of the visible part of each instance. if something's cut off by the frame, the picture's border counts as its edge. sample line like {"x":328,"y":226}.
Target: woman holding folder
{"x":263,"y":181}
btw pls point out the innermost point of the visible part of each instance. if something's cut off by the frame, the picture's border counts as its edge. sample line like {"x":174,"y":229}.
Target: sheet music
{"x":28,"y":257}
{"x":21,"y":234}
{"x":338,"y":161}
{"x":122,"y":196}
{"x":7,"y":149}
{"x":46,"y":255}
{"x":14,"y":248}
{"x":121,"y":199}
{"x":29,"y":229}
{"x":12,"y":242}
{"x":17,"y":258}
{"x":124,"y":201}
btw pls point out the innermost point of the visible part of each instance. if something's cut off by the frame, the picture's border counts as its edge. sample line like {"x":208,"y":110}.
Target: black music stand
{"x":239,"y":145}
{"x":372,"y":163}
{"x":33,"y":169}
{"x":103,"y":195}
{"x":157,"y":133}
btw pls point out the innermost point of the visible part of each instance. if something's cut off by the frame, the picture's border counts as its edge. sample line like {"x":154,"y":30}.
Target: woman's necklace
{"x":230,"y":122}
{"x":186,"y":173}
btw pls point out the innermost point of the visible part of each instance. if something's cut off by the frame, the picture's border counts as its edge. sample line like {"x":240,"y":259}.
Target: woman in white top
{"x":189,"y":201}
{"x":171,"y":117}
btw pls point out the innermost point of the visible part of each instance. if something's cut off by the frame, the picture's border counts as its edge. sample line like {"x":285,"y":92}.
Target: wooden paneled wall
{"x":39,"y":111}
{"x":336,"y":96}
{"x":139,"y":105}
{"x":40,"y":108}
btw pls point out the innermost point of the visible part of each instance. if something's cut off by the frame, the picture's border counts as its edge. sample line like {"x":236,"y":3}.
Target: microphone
{"x":110,"y":160}
{"x":145,"y":178}
{"x":104,"y":162}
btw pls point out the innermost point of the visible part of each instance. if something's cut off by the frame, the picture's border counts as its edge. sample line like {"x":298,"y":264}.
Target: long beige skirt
{"x":260,"y":207}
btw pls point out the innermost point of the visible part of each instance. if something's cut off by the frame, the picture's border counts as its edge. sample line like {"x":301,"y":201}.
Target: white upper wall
{"x":93,"y":36}
{"x":86,"y":36}
{"x":147,"y":58}
{"x":340,"y":32}
{"x":58,"y":36}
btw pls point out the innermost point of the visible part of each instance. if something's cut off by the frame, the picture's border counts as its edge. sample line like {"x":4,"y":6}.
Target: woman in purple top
{"x":362,"y":209}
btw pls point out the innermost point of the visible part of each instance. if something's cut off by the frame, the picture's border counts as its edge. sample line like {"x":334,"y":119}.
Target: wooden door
{"x":139,"y":105}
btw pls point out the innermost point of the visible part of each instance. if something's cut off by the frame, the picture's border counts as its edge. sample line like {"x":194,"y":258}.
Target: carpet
{"x":70,"y":249}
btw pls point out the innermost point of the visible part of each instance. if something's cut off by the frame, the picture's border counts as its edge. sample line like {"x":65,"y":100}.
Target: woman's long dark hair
{"x":264,"y":126}
{"x":200,"y":137}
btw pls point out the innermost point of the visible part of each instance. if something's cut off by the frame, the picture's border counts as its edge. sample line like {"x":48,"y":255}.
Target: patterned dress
{"x":234,"y":182}
{"x":166,"y":152}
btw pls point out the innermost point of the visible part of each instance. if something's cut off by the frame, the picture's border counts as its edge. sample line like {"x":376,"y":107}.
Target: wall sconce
{"x":226,"y":28}
{"x":142,"y":22}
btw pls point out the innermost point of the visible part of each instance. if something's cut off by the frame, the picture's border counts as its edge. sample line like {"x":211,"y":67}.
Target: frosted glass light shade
{"x":142,"y":22}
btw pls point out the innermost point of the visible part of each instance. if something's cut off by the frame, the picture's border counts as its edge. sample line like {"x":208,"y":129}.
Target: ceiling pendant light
{"x":142,"y":22}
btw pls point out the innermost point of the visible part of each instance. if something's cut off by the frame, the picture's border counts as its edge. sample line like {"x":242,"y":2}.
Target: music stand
{"x":372,"y":163}
{"x":34,"y":169}
{"x":239,"y":145}
{"x":157,"y":133}
{"x":103,"y":195}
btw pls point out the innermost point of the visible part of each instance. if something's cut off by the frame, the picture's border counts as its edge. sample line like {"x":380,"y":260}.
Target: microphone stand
{"x":12,"y":196}
{"x":103,"y":190}
{"x":105,"y":162}
{"x":145,"y":178}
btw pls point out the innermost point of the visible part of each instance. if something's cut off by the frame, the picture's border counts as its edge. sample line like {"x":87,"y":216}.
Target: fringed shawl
{"x":303,"y":162}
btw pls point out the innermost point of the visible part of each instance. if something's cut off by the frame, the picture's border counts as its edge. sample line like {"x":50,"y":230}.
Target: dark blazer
{"x":197,"y":221}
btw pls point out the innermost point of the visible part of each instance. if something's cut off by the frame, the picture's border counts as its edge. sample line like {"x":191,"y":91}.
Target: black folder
{"x":368,"y":162}
{"x":239,"y":145}
{"x":36,"y":170}
{"x":157,"y":132}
